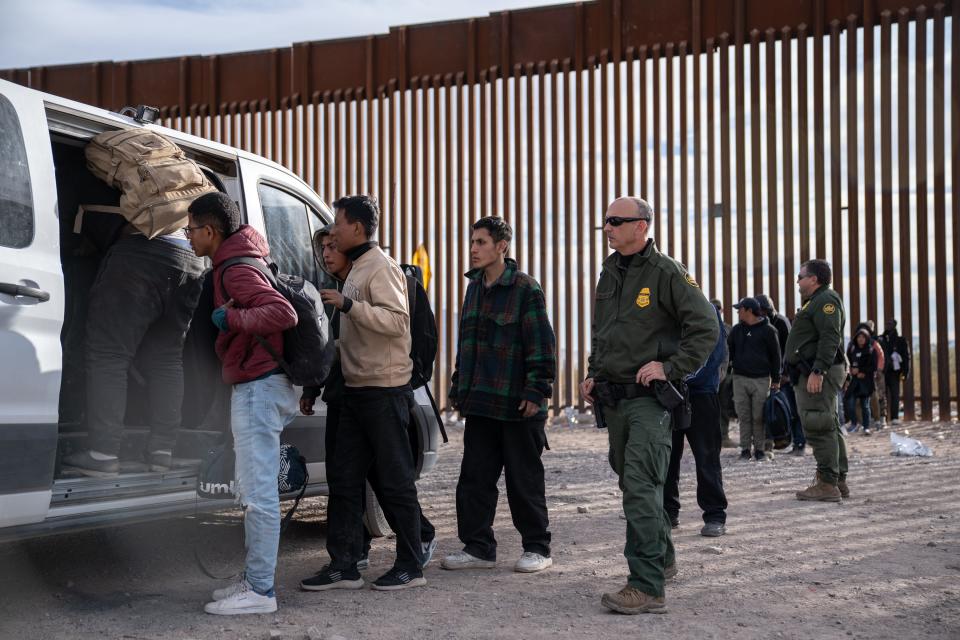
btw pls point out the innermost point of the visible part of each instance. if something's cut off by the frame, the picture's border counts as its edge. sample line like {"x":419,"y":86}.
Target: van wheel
{"x":373,"y":518}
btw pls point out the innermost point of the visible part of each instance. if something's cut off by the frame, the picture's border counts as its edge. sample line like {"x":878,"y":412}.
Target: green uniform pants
{"x":640,"y":438}
{"x":818,"y":415}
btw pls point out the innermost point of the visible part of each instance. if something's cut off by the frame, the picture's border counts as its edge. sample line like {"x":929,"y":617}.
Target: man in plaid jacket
{"x":506,"y":366}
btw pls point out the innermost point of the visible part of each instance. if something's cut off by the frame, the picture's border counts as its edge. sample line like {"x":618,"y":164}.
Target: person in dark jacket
{"x":781,"y":323}
{"x":704,"y":438}
{"x":755,"y":359}
{"x":896,"y":366}
{"x":263,"y":401}
{"x":505,"y":369}
{"x":863,"y":364}
{"x":725,"y":392}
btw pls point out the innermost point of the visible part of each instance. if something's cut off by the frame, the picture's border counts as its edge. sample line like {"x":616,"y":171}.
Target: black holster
{"x":675,"y":398}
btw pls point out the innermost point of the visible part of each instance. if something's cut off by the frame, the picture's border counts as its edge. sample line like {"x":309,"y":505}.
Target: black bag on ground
{"x":308,"y":353}
{"x":777,"y":419}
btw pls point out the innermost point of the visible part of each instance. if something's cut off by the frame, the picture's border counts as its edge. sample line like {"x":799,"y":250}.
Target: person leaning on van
{"x":263,"y":400}
{"x":141,"y":306}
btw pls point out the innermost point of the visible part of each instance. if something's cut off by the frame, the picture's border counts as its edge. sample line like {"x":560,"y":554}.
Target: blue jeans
{"x":260,"y":410}
{"x":851,"y":409}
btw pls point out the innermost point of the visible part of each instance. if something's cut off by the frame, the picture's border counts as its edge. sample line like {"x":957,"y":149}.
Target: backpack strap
{"x":272,"y":279}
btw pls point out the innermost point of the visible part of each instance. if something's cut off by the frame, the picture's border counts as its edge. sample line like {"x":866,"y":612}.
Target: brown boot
{"x":820,"y":491}
{"x":631,"y":601}
{"x":844,"y":489}
{"x":670,"y":572}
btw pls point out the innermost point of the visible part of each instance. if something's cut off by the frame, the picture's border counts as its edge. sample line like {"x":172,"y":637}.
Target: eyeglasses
{"x":801,"y":276}
{"x":188,"y":231}
{"x":616,"y":221}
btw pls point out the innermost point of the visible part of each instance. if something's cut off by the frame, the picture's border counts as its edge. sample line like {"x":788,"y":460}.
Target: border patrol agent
{"x":651,"y":324}
{"x":818,"y":367}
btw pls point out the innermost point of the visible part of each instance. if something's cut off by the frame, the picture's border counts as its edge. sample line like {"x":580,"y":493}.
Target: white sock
{"x":96,"y":455}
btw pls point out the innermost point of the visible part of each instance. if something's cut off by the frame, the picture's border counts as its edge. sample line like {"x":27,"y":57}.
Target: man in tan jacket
{"x":375,"y":412}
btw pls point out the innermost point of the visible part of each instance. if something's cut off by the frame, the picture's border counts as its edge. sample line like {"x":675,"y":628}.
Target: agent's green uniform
{"x":816,"y":341}
{"x":647,"y":308}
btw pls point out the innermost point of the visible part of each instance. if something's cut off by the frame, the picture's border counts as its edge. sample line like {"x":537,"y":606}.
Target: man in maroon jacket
{"x":263,"y":401}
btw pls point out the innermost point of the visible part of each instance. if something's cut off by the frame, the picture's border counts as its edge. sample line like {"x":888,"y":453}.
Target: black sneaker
{"x":396,"y":579}
{"x":759,"y":456}
{"x":745,"y":454}
{"x":328,"y":578}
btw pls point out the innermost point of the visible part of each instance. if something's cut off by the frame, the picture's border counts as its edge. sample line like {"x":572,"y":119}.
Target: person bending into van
{"x":337,"y":266}
{"x":140,"y":309}
{"x":506,"y":365}
{"x":263,"y":401}
{"x":374,"y":348}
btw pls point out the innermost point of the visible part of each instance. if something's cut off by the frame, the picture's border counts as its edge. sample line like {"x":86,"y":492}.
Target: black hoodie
{"x":755,"y":350}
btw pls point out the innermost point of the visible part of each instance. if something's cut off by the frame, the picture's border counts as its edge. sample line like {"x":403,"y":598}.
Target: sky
{"x":51,"y":32}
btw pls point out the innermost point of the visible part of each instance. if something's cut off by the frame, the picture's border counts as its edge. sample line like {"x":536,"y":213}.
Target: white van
{"x":47,"y":265}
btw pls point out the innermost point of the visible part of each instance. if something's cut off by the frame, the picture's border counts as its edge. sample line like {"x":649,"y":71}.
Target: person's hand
{"x":586,"y":390}
{"x":332,"y":296}
{"x":306,"y":406}
{"x":774,"y":386}
{"x":861,"y":375}
{"x":814,"y":383}
{"x":650,"y":372}
{"x":528,"y":408}
{"x":854,"y":371}
{"x":219,"y":315}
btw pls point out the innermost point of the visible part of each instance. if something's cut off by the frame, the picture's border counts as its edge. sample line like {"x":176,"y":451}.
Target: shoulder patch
{"x":829,"y":309}
{"x":691,"y":281}
{"x":643,"y":298}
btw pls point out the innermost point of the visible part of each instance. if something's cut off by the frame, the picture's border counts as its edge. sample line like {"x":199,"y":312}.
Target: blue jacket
{"x":707,"y":378}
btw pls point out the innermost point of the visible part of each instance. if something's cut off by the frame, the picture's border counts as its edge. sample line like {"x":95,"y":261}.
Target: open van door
{"x":31,"y":308}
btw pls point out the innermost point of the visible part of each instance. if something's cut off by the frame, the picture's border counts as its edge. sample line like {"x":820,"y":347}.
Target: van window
{"x":288,"y":226}
{"x":16,"y":199}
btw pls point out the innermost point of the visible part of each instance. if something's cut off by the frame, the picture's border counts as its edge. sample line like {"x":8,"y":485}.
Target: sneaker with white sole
{"x":231,"y":589}
{"x":363,"y":563}
{"x":463,"y":560}
{"x":531,"y":562}
{"x":328,"y":578}
{"x":244,"y":601}
{"x":397,"y":579}
{"x":426,"y":552}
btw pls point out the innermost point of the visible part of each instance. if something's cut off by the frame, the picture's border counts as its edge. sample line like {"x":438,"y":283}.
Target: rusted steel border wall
{"x":757,"y":130}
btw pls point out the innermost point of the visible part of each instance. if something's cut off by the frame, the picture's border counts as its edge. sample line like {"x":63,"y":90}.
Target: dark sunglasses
{"x":616,"y":221}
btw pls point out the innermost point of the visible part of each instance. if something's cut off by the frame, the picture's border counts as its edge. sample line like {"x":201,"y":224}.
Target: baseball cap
{"x":748,"y":303}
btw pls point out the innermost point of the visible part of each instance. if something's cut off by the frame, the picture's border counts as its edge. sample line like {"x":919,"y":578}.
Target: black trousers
{"x":704,"y":438}
{"x":892,"y":382}
{"x":427,"y":530}
{"x":141,"y":306}
{"x":372,"y":437}
{"x":492,"y":447}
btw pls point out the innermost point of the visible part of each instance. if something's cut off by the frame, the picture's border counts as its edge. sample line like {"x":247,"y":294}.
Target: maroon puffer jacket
{"x":259,"y":309}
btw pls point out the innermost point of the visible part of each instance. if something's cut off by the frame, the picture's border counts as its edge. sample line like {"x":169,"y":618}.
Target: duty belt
{"x":611,"y":393}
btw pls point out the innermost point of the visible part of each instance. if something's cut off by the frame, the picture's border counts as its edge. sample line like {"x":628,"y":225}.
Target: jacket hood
{"x":865,"y":331}
{"x":246,"y":242}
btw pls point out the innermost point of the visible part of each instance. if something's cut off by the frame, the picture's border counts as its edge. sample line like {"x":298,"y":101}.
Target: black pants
{"x":427,"y":530}
{"x":892,"y":382}
{"x":796,"y":428}
{"x":704,"y":438}
{"x":140,"y":307}
{"x":372,"y":436}
{"x":491,"y":447}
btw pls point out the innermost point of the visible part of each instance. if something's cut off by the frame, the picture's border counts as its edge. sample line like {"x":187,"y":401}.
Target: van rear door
{"x":31,"y":308}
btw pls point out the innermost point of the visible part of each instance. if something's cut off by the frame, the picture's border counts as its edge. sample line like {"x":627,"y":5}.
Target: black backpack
{"x":777,"y":419}
{"x":308,"y":354}
{"x":424,"y":338}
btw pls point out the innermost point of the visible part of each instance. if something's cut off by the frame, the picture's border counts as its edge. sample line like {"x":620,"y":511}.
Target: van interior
{"x":85,"y":236}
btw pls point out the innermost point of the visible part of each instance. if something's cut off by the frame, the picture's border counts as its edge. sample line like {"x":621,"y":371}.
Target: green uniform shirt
{"x":651,"y":311}
{"x":817,"y":331}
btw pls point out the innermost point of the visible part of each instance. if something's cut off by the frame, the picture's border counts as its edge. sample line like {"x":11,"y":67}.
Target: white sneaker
{"x":244,"y":601}
{"x":231,"y":589}
{"x":531,"y":562}
{"x":463,"y":560}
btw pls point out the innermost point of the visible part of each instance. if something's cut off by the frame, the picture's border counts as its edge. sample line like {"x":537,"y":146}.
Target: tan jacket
{"x":375,"y":326}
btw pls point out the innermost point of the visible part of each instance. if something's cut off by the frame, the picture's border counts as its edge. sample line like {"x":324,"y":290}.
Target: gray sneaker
{"x":463,"y":560}
{"x":86,"y":464}
{"x":426,"y":551}
{"x":713,"y":529}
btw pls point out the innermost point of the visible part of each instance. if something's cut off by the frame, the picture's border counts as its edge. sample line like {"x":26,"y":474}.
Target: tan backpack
{"x":157,"y":179}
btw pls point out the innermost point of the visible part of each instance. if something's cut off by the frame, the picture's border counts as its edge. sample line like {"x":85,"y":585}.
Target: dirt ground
{"x":883,"y":564}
